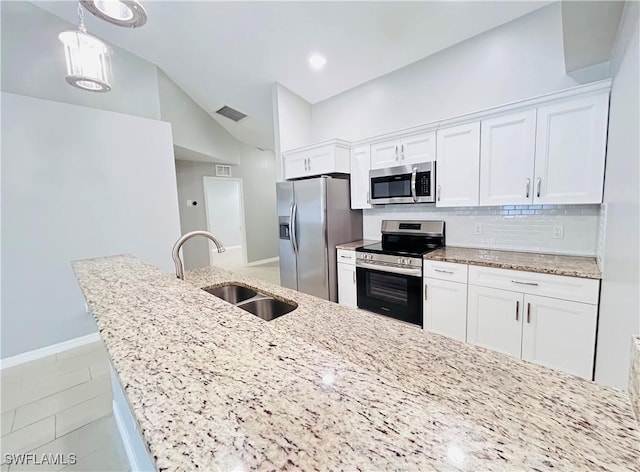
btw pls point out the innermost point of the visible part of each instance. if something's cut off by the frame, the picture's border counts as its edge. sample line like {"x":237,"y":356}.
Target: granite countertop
{"x":353,"y":245}
{"x":328,"y":387}
{"x":572,"y":266}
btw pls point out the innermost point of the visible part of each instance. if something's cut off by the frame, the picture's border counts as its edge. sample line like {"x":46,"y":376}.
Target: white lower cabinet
{"x":347,"y":290}
{"x":559,"y":334}
{"x":494,"y":319}
{"x":556,"y":333}
{"x":445,"y":308}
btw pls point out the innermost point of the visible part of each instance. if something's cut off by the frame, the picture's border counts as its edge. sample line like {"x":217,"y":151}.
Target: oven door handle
{"x":414,"y":192}
{"x":414,"y":272}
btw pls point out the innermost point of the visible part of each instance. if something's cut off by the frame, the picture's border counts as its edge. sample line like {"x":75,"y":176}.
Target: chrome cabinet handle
{"x":528,"y":312}
{"x":438,"y":192}
{"x":444,"y":271}
{"x":369,"y":197}
{"x":538,"y":185}
{"x":533,"y":284}
{"x":397,"y":156}
{"x":425,"y":291}
{"x":402,"y":152}
{"x":414,"y":194}
{"x":305,"y":164}
{"x":528,"y":186}
{"x":517,"y":308}
{"x":345,"y":257}
{"x":354,"y":276}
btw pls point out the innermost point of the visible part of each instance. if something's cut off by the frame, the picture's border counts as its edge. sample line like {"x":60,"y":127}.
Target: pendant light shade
{"x":127,"y":13}
{"x":88,"y":59}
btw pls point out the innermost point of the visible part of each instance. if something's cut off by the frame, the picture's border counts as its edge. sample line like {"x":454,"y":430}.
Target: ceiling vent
{"x":230,"y":113}
{"x":223,"y":171}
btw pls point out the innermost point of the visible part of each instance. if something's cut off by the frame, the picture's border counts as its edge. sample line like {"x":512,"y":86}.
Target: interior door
{"x":494,"y":319}
{"x":507,"y":151}
{"x":559,"y":334}
{"x":310,"y":235}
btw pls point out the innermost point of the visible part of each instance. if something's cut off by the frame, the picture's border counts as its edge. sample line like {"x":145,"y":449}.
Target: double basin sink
{"x":259,"y":304}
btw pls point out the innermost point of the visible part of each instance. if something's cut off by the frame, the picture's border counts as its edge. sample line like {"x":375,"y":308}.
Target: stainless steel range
{"x":389,"y":273}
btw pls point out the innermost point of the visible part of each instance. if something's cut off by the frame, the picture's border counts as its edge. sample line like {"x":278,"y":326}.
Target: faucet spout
{"x":185,"y":237}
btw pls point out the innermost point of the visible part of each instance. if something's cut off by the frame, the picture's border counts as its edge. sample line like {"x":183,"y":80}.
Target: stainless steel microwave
{"x":403,"y":184}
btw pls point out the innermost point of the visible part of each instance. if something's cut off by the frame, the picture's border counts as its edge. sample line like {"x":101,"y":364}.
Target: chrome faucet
{"x":185,"y":237}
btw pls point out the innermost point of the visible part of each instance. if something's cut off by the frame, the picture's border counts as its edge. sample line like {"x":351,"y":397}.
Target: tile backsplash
{"x":518,"y":228}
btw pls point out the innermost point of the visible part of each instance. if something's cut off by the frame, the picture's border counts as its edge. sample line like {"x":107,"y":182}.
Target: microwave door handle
{"x":413,"y":184}
{"x":292,"y":227}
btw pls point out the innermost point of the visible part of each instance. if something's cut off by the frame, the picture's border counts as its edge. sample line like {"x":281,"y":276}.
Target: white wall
{"x":193,"y":128}
{"x":518,"y":60}
{"x":619,"y":300}
{"x":292,"y":123}
{"x":520,"y":228}
{"x":33,"y":64}
{"x":77,"y":183}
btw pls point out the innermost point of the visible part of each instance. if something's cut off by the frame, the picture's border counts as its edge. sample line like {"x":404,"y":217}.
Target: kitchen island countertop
{"x":330,"y":387}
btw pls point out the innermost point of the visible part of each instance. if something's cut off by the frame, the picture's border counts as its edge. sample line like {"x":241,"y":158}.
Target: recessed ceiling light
{"x":317,"y":62}
{"x":129,"y":13}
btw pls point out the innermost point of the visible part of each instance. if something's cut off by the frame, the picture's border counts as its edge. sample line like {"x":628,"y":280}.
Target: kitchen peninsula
{"x":328,"y":387}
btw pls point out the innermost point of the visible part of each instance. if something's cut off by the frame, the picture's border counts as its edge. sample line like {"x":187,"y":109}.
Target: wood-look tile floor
{"x":61,"y":404}
{"x":269,"y":272}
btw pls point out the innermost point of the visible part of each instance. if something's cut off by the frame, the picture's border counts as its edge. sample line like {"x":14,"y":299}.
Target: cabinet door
{"x":559,"y":334}
{"x":507,"y":150}
{"x":385,"y":154}
{"x":295,"y":165}
{"x":418,"y":148}
{"x":445,"y":308}
{"x":321,"y":161}
{"x":458,"y":166}
{"x":571,"y":139}
{"x":347,"y":285}
{"x":360,"y":165}
{"x":494,"y":319}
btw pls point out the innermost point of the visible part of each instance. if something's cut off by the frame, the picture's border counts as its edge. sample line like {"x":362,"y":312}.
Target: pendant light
{"x":88,"y":58}
{"x":127,"y":13}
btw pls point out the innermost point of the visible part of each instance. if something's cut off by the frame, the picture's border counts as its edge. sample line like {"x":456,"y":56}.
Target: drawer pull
{"x":528,"y":312}
{"x":346,"y":257}
{"x":533,"y":284}
{"x":444,"y":271}
{"x":517,"y":309}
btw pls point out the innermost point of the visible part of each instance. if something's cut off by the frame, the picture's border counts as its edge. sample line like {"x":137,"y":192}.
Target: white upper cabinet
{"x":317,"y":160}
{"x":406,"y":151}
{"x":360,"y":165}
{"x":458,"y":166}
{"x":571,"y":141}
{"x":506,"y":159}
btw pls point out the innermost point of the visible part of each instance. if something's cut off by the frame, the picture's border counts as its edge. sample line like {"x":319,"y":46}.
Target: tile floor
{"x":269,"y":272}
{"x":61,"y":404}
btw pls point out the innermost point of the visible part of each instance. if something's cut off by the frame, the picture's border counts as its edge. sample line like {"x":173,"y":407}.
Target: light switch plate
{"x":477,"y":228}
{"x":558,"y":232}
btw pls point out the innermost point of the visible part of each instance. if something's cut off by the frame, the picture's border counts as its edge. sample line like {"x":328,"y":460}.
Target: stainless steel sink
{"x":267,"y":308}
{"x":231,"y":293}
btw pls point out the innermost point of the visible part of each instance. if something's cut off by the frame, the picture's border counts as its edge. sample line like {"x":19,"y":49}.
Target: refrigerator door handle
{"x":292,"y":227}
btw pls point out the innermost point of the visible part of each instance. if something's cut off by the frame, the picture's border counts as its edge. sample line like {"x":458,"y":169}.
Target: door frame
{"x":208,"y":178}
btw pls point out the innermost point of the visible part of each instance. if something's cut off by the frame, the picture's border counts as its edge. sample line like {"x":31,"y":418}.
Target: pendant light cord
{"x":81,"y":27}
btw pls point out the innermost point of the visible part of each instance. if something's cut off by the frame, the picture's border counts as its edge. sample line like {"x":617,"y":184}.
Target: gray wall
{"x":257,"y":170}
{"x":77,"y":183}
{"x":33,"y":64}
{"x":194,"y":130}
{"x":619,"y":299}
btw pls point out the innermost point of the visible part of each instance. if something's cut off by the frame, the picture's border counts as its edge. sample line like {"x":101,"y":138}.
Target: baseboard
{"x":263,"y":261}
{"x":48,"y":350}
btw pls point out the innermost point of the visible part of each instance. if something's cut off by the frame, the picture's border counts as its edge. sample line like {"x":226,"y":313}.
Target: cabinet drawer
{"x":346,"y":256}
{"x":446,"y":271}
{"x":547,"y":285}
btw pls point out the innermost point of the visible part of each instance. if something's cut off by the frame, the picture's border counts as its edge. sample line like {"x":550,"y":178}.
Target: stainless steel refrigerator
{"x":314,"y":215}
